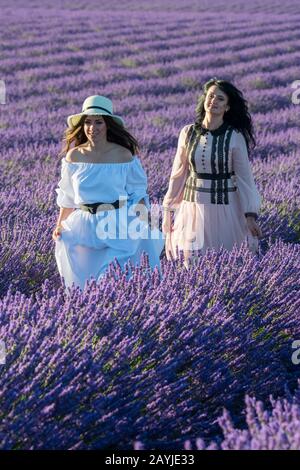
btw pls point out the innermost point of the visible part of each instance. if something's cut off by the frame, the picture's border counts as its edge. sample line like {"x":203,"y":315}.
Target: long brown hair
{"x":115,"y":133}
{"x":238,"y":115}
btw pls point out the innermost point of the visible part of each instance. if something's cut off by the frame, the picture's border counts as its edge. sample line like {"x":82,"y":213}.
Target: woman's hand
{"x":254,"y":227}
{"x":57,"y":233}
{"x":64,"y":213}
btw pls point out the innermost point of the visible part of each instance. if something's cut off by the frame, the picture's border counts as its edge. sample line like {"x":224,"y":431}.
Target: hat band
{"x":97,"y":107}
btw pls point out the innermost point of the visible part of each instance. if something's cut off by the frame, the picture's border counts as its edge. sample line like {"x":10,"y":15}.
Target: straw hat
{"x":93,"y":106}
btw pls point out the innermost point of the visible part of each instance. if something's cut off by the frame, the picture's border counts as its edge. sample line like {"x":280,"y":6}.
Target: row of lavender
{"x":150,"y":84}
{"x":160,"y":358}
{"x":112,"y":6}
{"x":29,"y":214}
{"x":149,"y":361}
{"x":276,"y":428}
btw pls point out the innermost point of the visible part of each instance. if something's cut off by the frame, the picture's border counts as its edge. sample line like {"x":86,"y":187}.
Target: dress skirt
{"x":200,"y":226}
{"x":90,"y":242}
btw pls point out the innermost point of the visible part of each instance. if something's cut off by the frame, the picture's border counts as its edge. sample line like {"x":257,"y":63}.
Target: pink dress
{"x":211,"y":189}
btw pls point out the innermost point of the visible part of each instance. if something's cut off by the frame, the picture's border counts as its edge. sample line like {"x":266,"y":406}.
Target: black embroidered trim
{"x":251,"y":214}
{"x":206,"y":190}
{"x":191,"y":142}
{"x":226,"y":152}
{"x":220,"y":151}
{"x":210,"y":176}
{"x":192,"y":160}
{"x":219,"y":131}
{"x":221,"y":168}
{"x":213,"y":169}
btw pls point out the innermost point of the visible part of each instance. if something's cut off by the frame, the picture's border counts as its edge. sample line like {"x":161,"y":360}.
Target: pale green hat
{"x":93,"y":106}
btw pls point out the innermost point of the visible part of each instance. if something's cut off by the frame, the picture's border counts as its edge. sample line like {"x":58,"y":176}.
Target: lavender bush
{"x":276,"y":429}
{"x":153,"y":362}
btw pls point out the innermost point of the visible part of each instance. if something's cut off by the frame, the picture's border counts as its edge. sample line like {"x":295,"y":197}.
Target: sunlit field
{"x":188,"y":360}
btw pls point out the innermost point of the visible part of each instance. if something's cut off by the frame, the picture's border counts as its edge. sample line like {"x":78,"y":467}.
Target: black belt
{"x":210,"y":176}
{"x":97,"y":206}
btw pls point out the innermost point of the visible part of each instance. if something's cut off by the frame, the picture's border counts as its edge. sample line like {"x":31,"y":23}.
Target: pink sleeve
{"x":248,"y":193}
{"x":179,"y":173}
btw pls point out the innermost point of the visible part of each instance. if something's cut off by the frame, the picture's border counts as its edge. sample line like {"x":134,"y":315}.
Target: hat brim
{"x":74,"y":119}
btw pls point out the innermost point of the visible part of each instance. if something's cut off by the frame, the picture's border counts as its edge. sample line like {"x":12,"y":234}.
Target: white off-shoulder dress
{"x":90,"y":242}
{"x":211,"y":190}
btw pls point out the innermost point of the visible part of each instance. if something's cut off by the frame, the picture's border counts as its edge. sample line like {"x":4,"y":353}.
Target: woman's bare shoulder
{"x":125,"y":155}
{"x":115,"y":154}
{"x":74,"y":154}
{"x":120,"y":154}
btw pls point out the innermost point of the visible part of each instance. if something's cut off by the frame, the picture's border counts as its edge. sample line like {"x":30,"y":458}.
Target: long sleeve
{"x":136,"y":183}
{"x":65,"y":191}
{"x":249,"y":196}
{"x":179,"y":173}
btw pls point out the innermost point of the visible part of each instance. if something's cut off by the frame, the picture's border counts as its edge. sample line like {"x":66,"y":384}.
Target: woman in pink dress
{"x":212,"y":193}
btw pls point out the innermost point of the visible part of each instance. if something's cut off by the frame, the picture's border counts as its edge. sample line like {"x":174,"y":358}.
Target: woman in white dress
{"x":212,"y":192}
{"x":102,"y":195}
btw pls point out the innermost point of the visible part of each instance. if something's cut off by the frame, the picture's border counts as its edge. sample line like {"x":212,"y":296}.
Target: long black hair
{"x":237,"y":116}
{"x":115,"y":133}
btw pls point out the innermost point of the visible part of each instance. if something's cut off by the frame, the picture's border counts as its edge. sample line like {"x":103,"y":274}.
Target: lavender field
{"x":198,"y":359}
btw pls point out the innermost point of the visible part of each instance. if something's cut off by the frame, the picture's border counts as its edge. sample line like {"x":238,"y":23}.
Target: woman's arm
{"x":247,"y":191}
{"x":177,"y":181}
{"x":64,"y":213}
{"x":65,"y":197}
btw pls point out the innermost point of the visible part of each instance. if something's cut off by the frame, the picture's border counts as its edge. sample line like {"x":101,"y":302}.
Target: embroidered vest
{"x":219,"y":180}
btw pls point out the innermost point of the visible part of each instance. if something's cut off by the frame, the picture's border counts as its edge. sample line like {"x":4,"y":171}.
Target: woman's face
{"x":95,"y":128}
{"x":216,"y":101}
